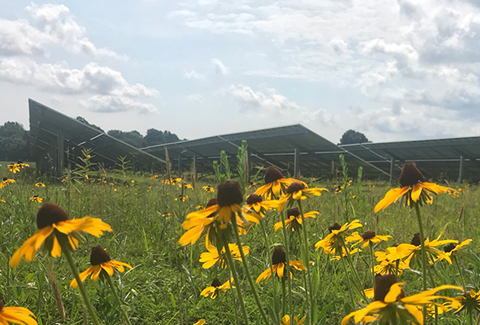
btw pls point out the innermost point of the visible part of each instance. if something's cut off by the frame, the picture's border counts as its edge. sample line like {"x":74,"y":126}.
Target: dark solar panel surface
{"x":46,"y":124}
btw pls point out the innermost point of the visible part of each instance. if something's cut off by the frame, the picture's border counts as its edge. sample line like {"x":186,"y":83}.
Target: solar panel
{"x":280,"y":146}
{"x":57,"y":140}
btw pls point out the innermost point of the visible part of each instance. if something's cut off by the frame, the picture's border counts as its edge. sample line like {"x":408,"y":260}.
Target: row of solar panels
{"x":292,"y":148}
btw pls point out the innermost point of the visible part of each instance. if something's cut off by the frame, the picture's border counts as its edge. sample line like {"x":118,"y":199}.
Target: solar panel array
{"x":57,"y":141}
{"x":292,"y":149}
{"x":281,"y":147}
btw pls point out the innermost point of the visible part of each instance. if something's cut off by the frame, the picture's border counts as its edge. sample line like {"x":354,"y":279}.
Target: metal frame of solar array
{"x":57,"y":140}
{"x":290,"y":148}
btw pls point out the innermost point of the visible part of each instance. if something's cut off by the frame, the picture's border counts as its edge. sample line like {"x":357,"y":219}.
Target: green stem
{"x":284,"y":295}
{"x":358,"y":285}
{"x":460,"y":272}
{"x":117,"y":298}
{"x":424,"y":255}
{"x":236,"y":279}
{"x":287,"y":262}
{"x":352,"y":300}
{"x":370,"y":246}
{"x":470,"y":317}
{"x":269,"y":254}
{"x":307,"y":265}
{"x":247,"y":270}
{"x":86,"y":299}
{"x":233,"y":297}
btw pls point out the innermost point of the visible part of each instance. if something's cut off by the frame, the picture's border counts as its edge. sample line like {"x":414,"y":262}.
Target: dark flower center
{"x":410,"y":174}
{"x":49,"y":214}
{"x":229,"y":193}
{"x":212,"y":201}
{"x":216,"y":283}
{"x":272,"y":174}
{"x":416,"y":240}
{"x":4,"y":179}
{"x":99,"y":256}
{"x":294,"y":187}
{"x":278,"y":256}
{"x":368,"y":234}
{"x":382,"y":286}
{"x":449,"y":248}
{"x":254,"y":198}
{"x":19,"y":162}
{"x":293,"y":212}
{"x":333,"y":227}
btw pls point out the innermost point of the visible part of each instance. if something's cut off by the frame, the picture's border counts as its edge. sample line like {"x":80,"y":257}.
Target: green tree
{"x":352,"y":136}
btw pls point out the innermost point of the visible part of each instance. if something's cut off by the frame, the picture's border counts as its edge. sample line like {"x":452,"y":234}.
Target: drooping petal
{"x":31,"y":246}
{"x":391,"y":197}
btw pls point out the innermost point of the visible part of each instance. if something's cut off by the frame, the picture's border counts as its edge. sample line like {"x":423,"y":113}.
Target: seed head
{"x":294,"y":187}
{"x":449,"y":247}
{"x":272,"y":174}
{"x":368,"y":235}
{"x":99,"y":256}
{"x":254,"y":198}
{"x":293,"y":212}
{"x":216,"y":283}
{"x":229,"y":193}
{"x":416,"y":240}
{"x":333,"y":227}
{"x":49,"y":214}
{"x":382,"y":286}
{"x":278,"y":256}
{"x":410,"y":174}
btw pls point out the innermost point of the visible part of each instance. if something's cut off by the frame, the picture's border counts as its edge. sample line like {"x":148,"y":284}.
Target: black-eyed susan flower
{"x":56,"y":228}
{"x":199,"y":207}
{"x":298,"y":320}
{"x":294,"y":220}
{"x":453,"y":249}
{"x":216,"y":215}
{"x":211,"y":257}
{"x":259,"y":206}
{"x":390,"y":262}
{"x":367,"y":238}
{"x":334,"y":241}
{"x":40,"y":184}
{"x":154,"y":177}
{"x":298,"y":190}
{"x":216,"y":286}
{"x":407,"y":252}
{"x":101,"y":264}
{"x":208,"y":188}
{"x":16,"y":167}
{"x":391,"y":305}
{"x":275,"y":184}
{"x":189,"y":186}
{"x":279,"y":262}
{"x":36,"y":199}
{"x":6,"y":181}
{"x":469,"y":301}
{"x":414,"y":188}
{"x":166,"y":214}
{"x":16,"y":315}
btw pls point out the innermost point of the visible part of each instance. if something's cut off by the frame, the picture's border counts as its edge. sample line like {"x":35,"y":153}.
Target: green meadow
{"x":166,"y":280}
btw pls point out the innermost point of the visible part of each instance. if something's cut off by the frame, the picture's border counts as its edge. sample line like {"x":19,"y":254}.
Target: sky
{"x":391,"y":69}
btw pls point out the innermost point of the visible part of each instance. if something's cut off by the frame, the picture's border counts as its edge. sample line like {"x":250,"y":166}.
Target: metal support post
{"x":460,"y":171}
{"x":296,"y":163}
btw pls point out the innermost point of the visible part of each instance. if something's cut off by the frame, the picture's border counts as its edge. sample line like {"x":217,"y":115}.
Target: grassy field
{"x":166,"y":280}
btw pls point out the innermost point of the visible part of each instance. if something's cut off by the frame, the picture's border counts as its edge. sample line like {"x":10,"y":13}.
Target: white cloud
{"x":219,"y":67}
{"x":20,"y":38}
{"x":193,"y":75}
{"x":111,"y":104}
{"x":92,"y":78}
{"x":250,"y":99}
{"x":52,"y":25}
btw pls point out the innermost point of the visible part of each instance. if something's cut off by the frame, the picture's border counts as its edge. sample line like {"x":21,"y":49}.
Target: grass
{"x":165,"y":284}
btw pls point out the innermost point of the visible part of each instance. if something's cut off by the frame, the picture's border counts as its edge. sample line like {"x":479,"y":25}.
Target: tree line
{"x":15,"y":140}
